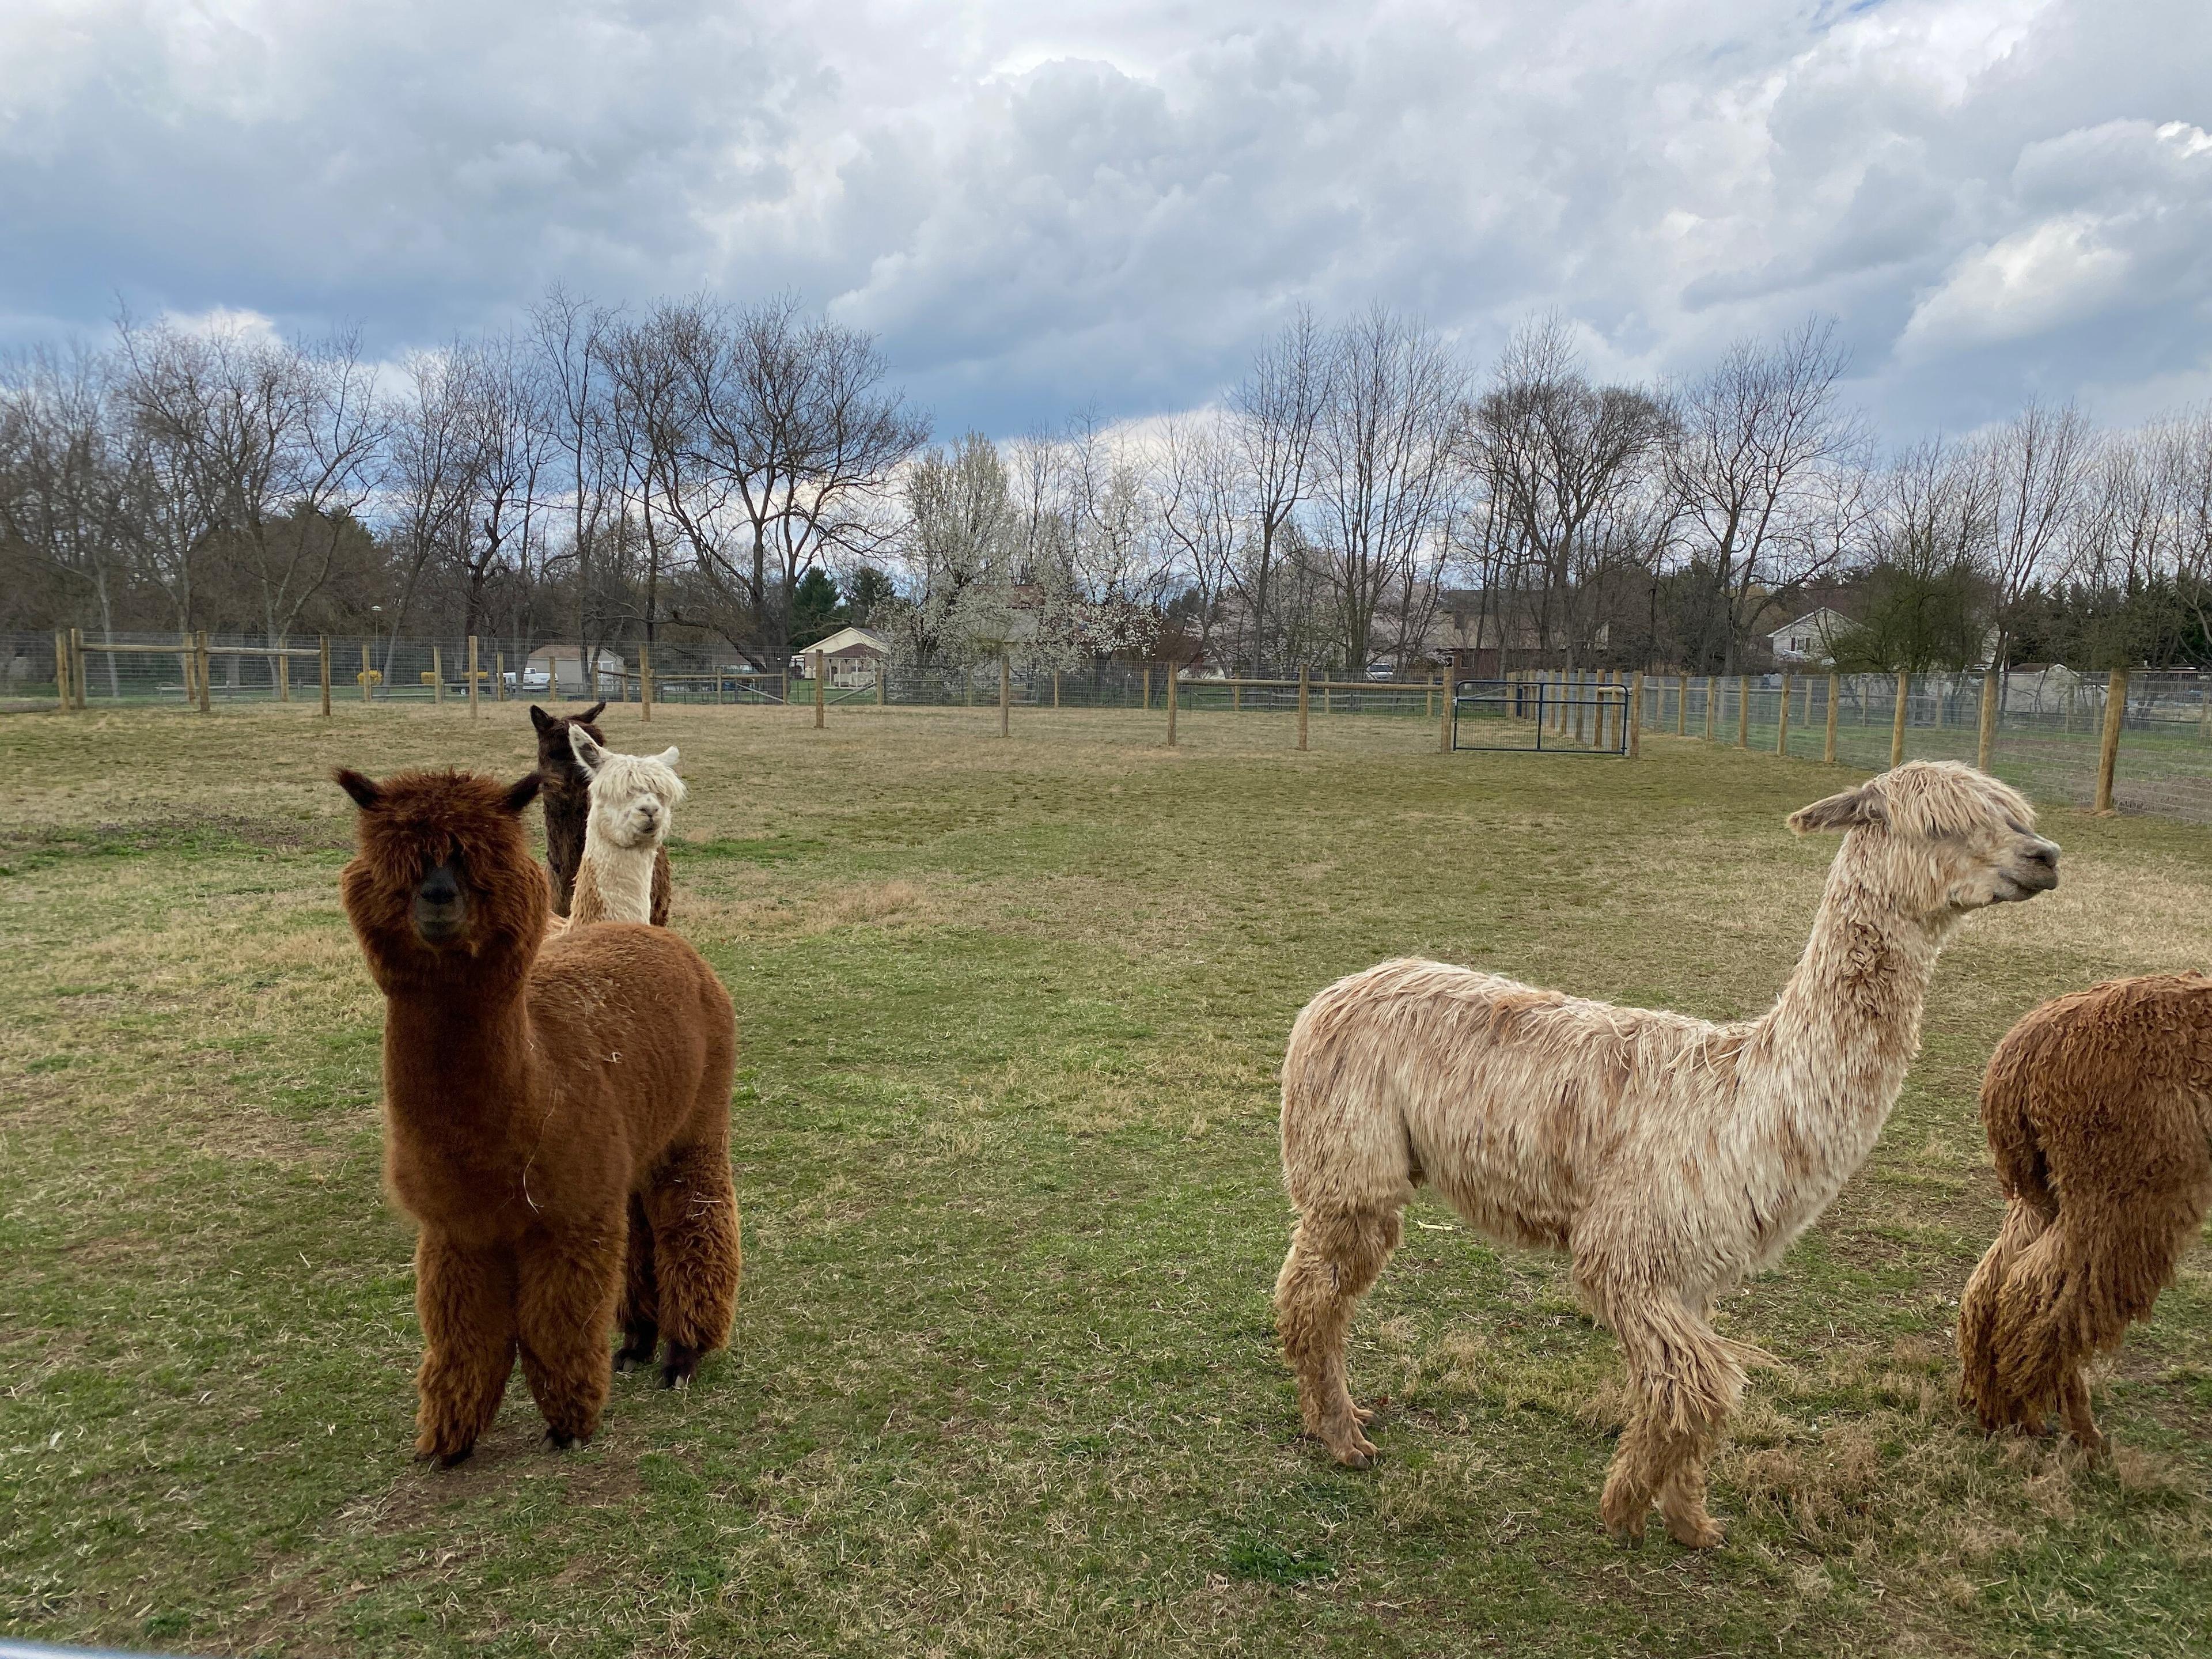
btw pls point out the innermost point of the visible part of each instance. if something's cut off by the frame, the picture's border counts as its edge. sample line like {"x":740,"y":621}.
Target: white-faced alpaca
{"x":634,"y":801}
{"x":1671,"y":1157}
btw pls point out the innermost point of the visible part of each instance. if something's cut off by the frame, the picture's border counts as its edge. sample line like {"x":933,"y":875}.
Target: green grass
{"x":1002,"y":1380}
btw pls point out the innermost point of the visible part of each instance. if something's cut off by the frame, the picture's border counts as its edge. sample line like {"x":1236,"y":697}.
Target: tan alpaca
{"x":1671,"y":1157}
{"x":2099,"y":1108}
{"x":634,"y":801}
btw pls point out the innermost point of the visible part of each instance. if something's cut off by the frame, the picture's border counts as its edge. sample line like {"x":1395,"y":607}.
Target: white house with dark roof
{"x":1808,"y":638}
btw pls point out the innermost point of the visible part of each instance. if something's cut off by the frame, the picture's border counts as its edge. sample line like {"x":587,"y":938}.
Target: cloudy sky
{"x":1041,"y":206}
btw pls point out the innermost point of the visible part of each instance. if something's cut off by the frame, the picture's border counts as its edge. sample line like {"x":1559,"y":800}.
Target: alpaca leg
{"x":1687,"y":1381}
{"x":698,"y":1255}
{"x":568,"y":1282}
{"x":465,"y":1300}
{"x":2073,"y":1397}
{"x":1982,"y":1384}
{"x":1334,"y":1256}
{"x":2075,"y":1292}
{"x":640,"y":1318}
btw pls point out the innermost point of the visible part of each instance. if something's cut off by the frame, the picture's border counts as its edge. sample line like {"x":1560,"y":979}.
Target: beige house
{"x":855,"y":657}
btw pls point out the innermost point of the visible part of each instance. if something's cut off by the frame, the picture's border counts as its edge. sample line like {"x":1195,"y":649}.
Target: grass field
{"x":1003,"y":1378}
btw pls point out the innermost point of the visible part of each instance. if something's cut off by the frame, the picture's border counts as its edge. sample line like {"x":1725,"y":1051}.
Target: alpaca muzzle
{"x":442,"y":910}
{"x":2036,"y":871}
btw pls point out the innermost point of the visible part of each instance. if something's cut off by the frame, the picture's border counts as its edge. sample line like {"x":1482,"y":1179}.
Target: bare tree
{"x":1274,"y":410}
{"x":1383,"y":452}
{"x":2039,"y":464}
{"x":567,"y":332}
{"x":1201,"y":495}
{"x":65,"y":481}
{"x":1572,"y":474}
{"x":433,"y":479}
{"x":793,"y":414}
{"x":1757,"y":433}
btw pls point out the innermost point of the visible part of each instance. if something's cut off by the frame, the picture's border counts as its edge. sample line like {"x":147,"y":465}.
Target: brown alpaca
{"x":567,"y":800}
{"x":2099,"y":1109}
{"x":1671,"y":1157}
{"x":546,"y":1111}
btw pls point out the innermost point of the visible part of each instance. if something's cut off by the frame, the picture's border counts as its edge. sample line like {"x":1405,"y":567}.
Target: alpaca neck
{"x":613,"y":883}
{"x":1827,"y":1060}
{"x":457,"y":1051}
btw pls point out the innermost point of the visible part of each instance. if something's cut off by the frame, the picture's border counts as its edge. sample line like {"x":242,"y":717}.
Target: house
{"x":1809,"y":639}
{"x":855,"y":657}
{"x":558,"y":666}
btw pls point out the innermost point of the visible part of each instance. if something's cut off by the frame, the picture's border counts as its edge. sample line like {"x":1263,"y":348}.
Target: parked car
{"x":1378,"y":670}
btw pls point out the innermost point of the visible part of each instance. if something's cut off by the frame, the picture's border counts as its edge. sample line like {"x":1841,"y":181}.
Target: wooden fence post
{"x":1636,"y":715}
{"x":1709,"y":707}
{"x":883,"y":684}
{"x":472,"y":677}
{"x":1828,"y":739}
{"x":366,"y":670}
{"x":1148,"y":688}
{"x":1056,"y":687}
{"x":206,"y":665}
{"x":1986,"y":743}
{"x":1303,"y":681}
{"x":1444,"y":709}
{"x":1781,"y":720}
{"x":2108,"y":751}
{"x":1006,"y":699}
{"x":62,"y":669}
{"x":1897,"y":720}
{"x":280,"y":668}
{"x":437,"y":676}
{"x":1682,"y":705}
{"x":1171,"y":705}
{"x":499,"y":678}
{"x":323,"y":666}
{"x":821,"y":692}
{"x":645,"y":679}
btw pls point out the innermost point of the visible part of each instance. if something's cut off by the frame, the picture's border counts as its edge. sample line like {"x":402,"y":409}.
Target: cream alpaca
{"x":633,"y":800}
{"x":1670,"y":1156}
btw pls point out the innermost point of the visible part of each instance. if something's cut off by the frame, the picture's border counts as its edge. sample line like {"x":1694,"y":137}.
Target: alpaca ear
{"x":668,"y":757}
{"x":588,"y":754}
{"x":592,"y":712}
{"x":523,"y":792}
{"x":540,"y":719}
{"x":1852,"y":807}
{"x":366,"y":795}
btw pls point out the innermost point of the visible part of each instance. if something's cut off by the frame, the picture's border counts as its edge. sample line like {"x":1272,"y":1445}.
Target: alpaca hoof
{"x":1364,"y":1414}
{"x":639,"y":1344}
{"x":559,"y":1439}
{"x":453,"y":1458}
{"x":682,"y":1363}
{"x":1353,"y":1449}
{"x":1696,"y":1532}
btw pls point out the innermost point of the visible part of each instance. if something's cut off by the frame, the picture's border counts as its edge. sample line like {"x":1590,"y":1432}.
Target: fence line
{"x":2137,"y":740}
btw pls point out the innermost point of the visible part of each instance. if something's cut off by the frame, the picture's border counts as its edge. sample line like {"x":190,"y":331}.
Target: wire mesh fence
{"x":2045,"y":725}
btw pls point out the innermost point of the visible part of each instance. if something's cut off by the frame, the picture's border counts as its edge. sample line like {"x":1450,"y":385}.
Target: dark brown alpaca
{"x":567,"y":803}
{"x":546,"y":1111}
{"x":2099,"y":1108}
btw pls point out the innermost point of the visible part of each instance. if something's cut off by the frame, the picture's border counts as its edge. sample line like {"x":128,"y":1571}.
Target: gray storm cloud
{"x":1108,"y":206}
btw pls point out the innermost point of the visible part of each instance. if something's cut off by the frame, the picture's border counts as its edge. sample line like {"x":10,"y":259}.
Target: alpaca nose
{"x":440,"y":888}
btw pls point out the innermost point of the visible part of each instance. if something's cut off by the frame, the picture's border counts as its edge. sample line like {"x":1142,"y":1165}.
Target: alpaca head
{"x":634,"y":797}
{"x":442,"y":871}
{"x":556,"y":759}
{"x":1938,"y":839}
